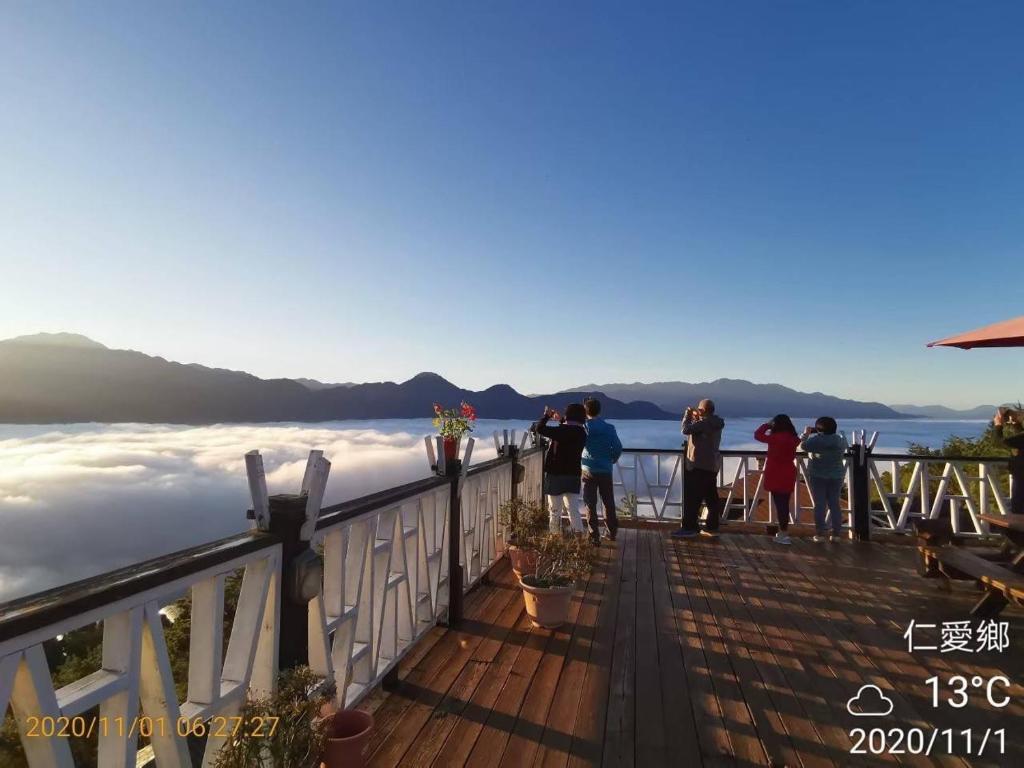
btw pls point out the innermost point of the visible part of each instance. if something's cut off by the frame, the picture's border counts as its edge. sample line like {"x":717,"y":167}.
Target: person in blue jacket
{"x":602,"y":449}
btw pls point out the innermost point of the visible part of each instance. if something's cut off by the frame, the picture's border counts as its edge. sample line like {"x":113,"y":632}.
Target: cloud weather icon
{"x":869,"y":702}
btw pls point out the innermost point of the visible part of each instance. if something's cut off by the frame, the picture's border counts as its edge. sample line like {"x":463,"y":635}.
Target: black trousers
{"x":701,"y":487}
{"x":782,"y":508}
{"x":592,"y":486}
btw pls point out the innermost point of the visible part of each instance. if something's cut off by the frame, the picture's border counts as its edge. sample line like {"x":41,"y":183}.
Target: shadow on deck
{"x":735,"y":652}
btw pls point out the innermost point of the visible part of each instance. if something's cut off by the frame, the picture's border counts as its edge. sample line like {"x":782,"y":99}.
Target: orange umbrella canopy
{"x":1008,"y":333}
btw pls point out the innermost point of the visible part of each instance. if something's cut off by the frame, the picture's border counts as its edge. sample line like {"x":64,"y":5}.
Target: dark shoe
{"x":610,"y":535}
{"x":595,"y":540}
{"x":682,"y":533}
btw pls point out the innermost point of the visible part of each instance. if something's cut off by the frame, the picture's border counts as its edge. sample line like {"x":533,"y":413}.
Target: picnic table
{"x":1012,"y":527}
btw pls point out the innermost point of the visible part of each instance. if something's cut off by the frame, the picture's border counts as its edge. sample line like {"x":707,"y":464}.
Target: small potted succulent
{"x":452,"y":424}
{"x":561,"y":561}
{"x":524,"y":522}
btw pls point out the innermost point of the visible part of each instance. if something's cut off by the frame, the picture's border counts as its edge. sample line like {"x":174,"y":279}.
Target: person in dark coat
{"x":1009,"y":430}
{"x":562,"y":471}
{"x":780,"y":467}
{"x":703,"y":430}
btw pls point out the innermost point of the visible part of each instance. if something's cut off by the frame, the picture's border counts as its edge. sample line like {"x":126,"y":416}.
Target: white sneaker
{"x":819,"y":539}
{"x":782,"y":538}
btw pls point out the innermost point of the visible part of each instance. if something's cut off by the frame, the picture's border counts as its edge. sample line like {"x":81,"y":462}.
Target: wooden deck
{"x":735,"y":652}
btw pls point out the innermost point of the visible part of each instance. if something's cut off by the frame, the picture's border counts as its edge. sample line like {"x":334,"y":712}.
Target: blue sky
{"x":536,"y":193}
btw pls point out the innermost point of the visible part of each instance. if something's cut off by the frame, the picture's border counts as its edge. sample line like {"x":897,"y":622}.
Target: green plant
{"x":453,"y":423}
{"x":293,"y":732}
{"x":627,"y":505}
{"x":562,"y":560}
{"x":523,"y":521}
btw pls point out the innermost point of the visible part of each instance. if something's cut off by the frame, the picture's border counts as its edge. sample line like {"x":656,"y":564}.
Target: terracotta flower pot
{"x":547,"y":608}
{"x":347,"y":735}
{"x":524,"y":561}
{"x":451,"y":448}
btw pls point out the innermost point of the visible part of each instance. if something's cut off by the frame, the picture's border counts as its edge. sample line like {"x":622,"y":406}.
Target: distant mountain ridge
{"x":738,"y":397}
{"x":942,"y":412}
{"x":64,"y":378}
{"x":67,"y":377}
{"x":315,"y":384}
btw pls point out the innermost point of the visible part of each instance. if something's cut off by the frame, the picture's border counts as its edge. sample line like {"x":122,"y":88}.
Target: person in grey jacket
{"x":602,"y":449}
{"x":825,"y":472}
{"x":703,"y":429}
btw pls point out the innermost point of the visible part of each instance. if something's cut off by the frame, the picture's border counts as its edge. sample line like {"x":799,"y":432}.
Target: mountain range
{"x":737,"y":397}
{"x":65,"y":377}
{"x":942,"y":412}
{"x":62,"y":378}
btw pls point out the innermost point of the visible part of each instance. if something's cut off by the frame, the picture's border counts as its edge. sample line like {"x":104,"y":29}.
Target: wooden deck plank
{"x":776,"y":609}
{"x":837,"y":672}
{"x":389,"y":713}
{"x":530,"y":725}
{"x":463,"y":736}
{"x":857,"y":636}
{"x":746,"y":744}
{"x":780,"y":721}
{"x":713,"y":735}
{"x":498,"y":727}
{"x":651,"y":677}
{"x":898,"y":592}
{"x":427,"y":691}
{"x":565,"y":702}
{"x":452,"y":707}
{"x":587,"y":747}
{"x":916,"y":591}
{"x":620,"y":723}
{"x":699,"y":653}
{"x":678,"y":719}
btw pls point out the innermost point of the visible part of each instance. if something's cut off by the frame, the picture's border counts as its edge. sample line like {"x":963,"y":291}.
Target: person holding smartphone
{"x":562,"y":468}
{"x":825,"y":449}
{"x":703,"y":429}
{"x":780,"y":468}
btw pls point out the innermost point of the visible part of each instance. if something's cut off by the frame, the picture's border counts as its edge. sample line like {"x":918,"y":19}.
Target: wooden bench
{"x":939,"y":533}
{"x":1001,"y":585}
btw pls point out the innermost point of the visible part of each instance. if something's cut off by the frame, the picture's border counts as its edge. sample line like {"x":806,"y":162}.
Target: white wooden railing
{"x":966,"y":489}
{"x":384,"y":584}
{"x":134,"y":689}
{"x":962,"y":488}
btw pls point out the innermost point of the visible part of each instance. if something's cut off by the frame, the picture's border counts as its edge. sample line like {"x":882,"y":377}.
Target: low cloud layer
{"x":80,"y":500}
{"x":85,"y":500}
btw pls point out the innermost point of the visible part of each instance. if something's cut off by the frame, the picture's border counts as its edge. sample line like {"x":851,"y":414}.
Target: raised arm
{"x":761,"y":435}
{"x":541,"y":427}
{"x":812,"y":443}
{"x":698,"y":427}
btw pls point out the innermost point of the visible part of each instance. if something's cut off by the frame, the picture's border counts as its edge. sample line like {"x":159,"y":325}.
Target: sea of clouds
{"x":78,"y":500}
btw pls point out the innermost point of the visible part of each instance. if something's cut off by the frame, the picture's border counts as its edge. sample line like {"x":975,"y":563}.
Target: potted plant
{"x":296,"y":727}
{"x":561,"y":561}
{"x":452,"y":424}
{"x":524,"y":522}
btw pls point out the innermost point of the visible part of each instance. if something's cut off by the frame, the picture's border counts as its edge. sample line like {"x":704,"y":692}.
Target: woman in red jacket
{"x":780,"y":467}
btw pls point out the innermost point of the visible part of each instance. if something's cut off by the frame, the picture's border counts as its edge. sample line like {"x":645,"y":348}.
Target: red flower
{"x":468,"y":411}
{"x":437,"y":408}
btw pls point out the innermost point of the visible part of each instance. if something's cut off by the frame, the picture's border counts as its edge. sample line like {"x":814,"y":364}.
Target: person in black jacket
{"x":562,"y":469}
{"x":1009,"y":430}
